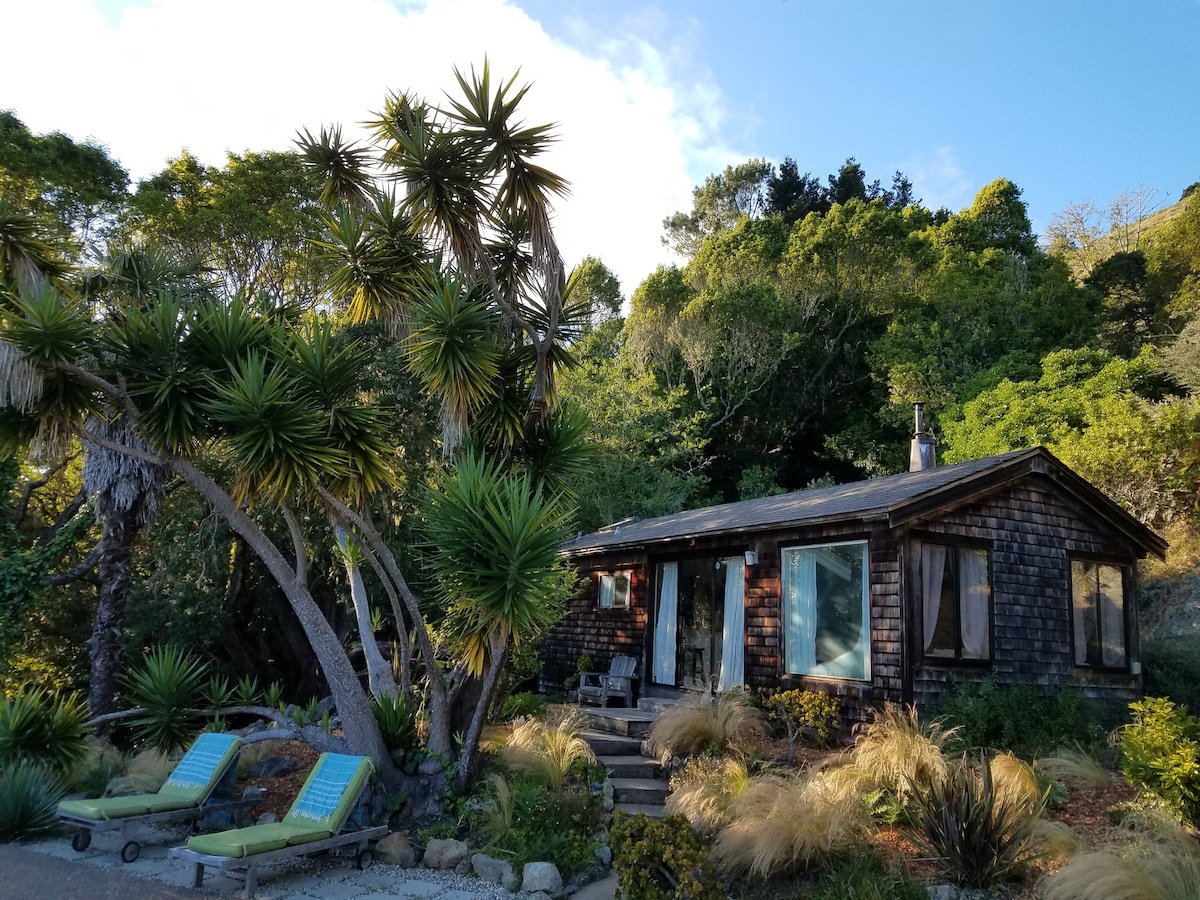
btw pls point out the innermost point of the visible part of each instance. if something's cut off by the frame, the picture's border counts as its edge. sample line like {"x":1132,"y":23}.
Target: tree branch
{"x":297,"y":542}
{"x":80,"y":570}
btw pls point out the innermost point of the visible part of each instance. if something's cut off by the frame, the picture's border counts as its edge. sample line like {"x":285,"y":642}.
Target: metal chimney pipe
{"x":922,"y":453}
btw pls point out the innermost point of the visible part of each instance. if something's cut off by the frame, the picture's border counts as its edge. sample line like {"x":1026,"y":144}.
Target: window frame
{"x":956,"y":544}
{"x":613,"y":574}
{"x":863,"y":542}
{"x":1126,"y":570}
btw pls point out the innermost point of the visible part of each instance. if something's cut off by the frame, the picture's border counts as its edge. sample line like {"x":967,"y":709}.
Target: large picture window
{"x":826,"y":611}
{"x":1098,"y":607}
{"x":956,"y":599}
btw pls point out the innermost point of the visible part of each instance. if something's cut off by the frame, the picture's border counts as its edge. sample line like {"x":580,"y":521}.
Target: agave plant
{"x":170,"y":685}
{"x":36,"y":727}
{"x":29,"y":795}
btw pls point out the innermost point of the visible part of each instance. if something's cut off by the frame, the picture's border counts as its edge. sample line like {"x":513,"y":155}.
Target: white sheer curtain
{"x":933,"y":567}
{"x":800,"y":612}
{"x":666,"y":625}
{"x":733,"y":639}
{"x":973,"y":602}
{"x":1112,"y":616}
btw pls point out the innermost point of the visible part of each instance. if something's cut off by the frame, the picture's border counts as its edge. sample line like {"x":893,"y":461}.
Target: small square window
{"x":614,"y":589}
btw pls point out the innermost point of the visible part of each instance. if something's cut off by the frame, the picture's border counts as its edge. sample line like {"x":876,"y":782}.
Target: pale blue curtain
{"x":933,"y":567}
{"x":973,"y":602}
{"x":800,"y":612}
{"x":733,"y":639}
{"x":666,"y":626}
{"x":1112,"y":616}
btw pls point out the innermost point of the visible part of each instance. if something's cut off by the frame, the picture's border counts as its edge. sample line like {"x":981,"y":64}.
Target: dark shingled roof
{"x":884,"y":499}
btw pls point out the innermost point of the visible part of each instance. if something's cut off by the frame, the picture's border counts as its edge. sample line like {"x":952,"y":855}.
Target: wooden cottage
{"x":885,"y":589}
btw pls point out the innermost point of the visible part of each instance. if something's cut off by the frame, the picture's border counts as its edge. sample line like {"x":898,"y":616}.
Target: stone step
{"x":640,"y":791}
{"x":656,"y":705}
{"x":652,"y":810}
{"x":612,"y":744}
{"x":628,"y":766}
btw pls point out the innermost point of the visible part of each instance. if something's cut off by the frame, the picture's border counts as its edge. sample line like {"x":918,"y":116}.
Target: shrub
{"x":29,"y":795}
{"x":1163,"y":862}
{"x":1016,"y":718}
{"x":797,"y":710}
{"x":863,"y":876}
{"x":981,"y":833}
{"x":1172,"y":666}
{"x":730,"y":723}
{"x":547,"y":753}
{"x":169,"y":685}
{"x":101,"y":763}
{"x":781,"y":824}
{"x":41,"y":729}
{"x":661,"y":859}
{"x":1159,"y":754}
{"x":898,"y":753}
{"x":528,"y":822}
{"x":397,"y":722}
{"x":703,"y":791}
{"x":524,"y":705}
{"x":583,"y":664}
{"x":1074,"y":766}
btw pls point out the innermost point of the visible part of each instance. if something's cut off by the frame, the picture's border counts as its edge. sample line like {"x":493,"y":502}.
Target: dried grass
{"x":899,"y":752}
{"x":1014,"y":782}
{"x":729,"y":724}
{"x":1163,"y":864}
{"x":704,"y":790}
{"x":1075,"y":766}
{"x":547,"y":752}
{"x":782,"y":823}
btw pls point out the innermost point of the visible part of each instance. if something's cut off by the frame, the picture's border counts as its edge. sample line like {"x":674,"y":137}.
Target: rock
{"x":510,"y":882}
{"x":943,"y":892}
{"x":273,"y":767}
{"x":604,"y":854}
{"x":608,"y":796}
{"x":267,"y":818}
{"x":444,"y":854}
{"x":124,"y":785}
{"x":463,"y":868}
{"x":396,"y":850}
{"x":541,"y":877}
{"x":497,"y":871}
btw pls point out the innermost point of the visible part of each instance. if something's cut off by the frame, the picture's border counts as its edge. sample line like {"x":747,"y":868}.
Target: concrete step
{"x":627,"y":766}
{"x":612,"y":744}
{"x":656,"y":705}
{"x":626,"y":722}
{"x":640,"y":791}
{"x":652,"y":810}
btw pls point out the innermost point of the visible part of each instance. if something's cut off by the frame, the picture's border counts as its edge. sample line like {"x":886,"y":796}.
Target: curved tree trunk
{"x":379,"y":671}
{"x":498,"y":647}
{"x":120,"y":530}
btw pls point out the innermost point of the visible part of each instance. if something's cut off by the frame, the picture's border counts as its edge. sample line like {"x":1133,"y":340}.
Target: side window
{"x":956,"y":602}
{"x":1098,"y":614}
{"x":614,"y":589}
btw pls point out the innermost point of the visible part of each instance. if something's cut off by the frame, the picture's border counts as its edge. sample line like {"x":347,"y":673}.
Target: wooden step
{"x":628,"y":766}
{"x":612,"y":744}
{"x":640,"y":791}
{"x":653,"y":811}
{"x":626,"y":722}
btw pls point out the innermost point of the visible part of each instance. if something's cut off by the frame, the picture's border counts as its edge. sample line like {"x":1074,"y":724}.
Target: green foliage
{"x":170,"y":684}
{"x":861,"y":876}
{"x":797,"y":710}
{"x":247,"y":692}
{"x":703,"y":790}
{"x":547,"y":753}
{"x":729,"y":723}
{"x":661,"y":859}
{"x":583,"y":664}
{"x":1171,"y":666}
{"x":29,"y":795}
{"x":38,"y":728}
{"x":397,"y":723}
{"x":528,"y":821}
{"x":979,"y":836}
{"x":273,"y":695}
{"x":1016,"y":718}
{"x":1160,"y":754}
{"x":523,"y":705}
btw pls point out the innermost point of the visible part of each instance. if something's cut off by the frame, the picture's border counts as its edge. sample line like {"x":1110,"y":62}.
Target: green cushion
{"x":242,"y":842}
{"x":106,"y":807}
{"x":204,"y":764}
{"x":330,"y":792}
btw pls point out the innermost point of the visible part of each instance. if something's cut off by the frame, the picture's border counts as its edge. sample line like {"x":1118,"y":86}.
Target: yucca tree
{"x":495,"y":540}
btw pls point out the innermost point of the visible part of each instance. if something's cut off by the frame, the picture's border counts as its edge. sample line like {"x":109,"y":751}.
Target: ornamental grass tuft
{"x":729,"y":723}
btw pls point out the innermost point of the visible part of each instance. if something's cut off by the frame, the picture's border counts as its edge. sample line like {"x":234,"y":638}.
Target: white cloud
{"x":636,"y":114}
{"x":939,"y":180}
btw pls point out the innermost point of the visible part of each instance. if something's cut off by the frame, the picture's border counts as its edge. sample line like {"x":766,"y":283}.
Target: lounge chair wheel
{"x":81,"y":840}
{"x":131,"y":851}
{"x":365,"y":859}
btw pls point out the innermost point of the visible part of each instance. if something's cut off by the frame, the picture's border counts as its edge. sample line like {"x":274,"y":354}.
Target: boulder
{"x":497,"y":871}
{"x":444,"y":854}
{"x":396,"y":850}
{"x":541,"y":877}
{"x":273,"y":767}
{"x":604,"y":855}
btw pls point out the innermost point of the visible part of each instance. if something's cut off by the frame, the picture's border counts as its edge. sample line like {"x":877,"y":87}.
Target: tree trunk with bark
{"x":120,"y":530}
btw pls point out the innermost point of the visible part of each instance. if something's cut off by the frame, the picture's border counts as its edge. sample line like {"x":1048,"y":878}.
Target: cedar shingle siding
{"x":1029,"y":510}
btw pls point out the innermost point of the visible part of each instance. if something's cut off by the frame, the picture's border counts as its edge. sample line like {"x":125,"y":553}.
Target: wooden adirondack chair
{"x":617,"y":682}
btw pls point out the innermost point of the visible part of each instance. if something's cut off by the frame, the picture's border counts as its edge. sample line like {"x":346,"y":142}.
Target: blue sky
{"x":1071,"y":100}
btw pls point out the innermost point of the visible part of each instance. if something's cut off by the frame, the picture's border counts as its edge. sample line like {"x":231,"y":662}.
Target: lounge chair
{"x":320,"y":819}
{"x":617,"y":682}
{"x":201,"y":784}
